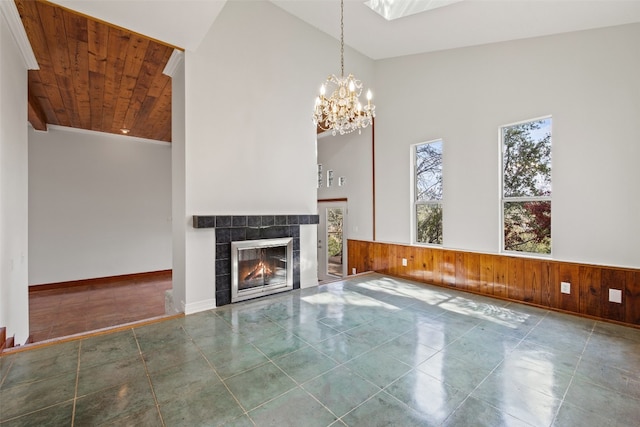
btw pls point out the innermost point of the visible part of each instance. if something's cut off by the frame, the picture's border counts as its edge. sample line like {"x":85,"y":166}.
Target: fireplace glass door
{"x":260,"y":267}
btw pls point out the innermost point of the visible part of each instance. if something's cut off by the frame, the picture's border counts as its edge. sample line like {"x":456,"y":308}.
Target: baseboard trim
{"x":110,"y":280}
{"x":196,"y":307}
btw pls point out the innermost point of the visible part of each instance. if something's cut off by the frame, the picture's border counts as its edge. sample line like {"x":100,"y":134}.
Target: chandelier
{"x":341,"y":112}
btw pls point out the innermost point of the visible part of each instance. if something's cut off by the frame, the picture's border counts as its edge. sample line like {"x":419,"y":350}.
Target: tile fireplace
{"x":241,"y":228}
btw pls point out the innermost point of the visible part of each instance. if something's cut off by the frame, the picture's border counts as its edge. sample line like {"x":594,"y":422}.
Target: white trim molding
{"x":173,"y":62}
{"x":12,"y":17}
{"x":198,"y":306}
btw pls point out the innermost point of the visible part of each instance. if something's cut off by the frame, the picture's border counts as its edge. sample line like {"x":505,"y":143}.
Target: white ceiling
{"x":184,"y":23}
{"x":181,"y":23}
{"x":466,"y":23}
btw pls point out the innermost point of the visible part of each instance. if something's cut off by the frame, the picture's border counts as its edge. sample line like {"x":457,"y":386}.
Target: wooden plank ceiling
{"x":95,"y":76}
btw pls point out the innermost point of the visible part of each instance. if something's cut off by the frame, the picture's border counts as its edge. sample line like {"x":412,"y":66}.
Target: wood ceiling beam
{"x":36,"y":115}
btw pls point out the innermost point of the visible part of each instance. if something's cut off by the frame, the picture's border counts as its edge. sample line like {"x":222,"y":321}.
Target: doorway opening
{"x":332,"y":246}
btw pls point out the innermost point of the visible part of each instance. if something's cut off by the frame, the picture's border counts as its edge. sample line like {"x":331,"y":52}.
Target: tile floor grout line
{"x":380,"y":390}
{"x":468,"y":394}
{"x":276,"y":365}
{"x":6,"y":373}
{"x":36,"y":410}
{"x":321,"y":404}
{"x":284,"y":393}
{"x":222,"y":380}
{"x":613,"y":367}
{"x":573,"y":374}
{"x":146,"y":371}
{"x":298,"y":385}
{"x":345,"y":332}
{"x":491,"y":372}
{"x":75,"y":390}
{"x":244,"y":370}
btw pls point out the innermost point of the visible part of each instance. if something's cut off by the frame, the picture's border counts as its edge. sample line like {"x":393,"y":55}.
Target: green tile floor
{"x":367,"y":351}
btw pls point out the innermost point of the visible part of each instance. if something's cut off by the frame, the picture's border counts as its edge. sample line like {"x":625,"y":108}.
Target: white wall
{"x":14,"y":301}
{"x":350,"y":156}
{"x":178,"y":212}
{"x":588,"y":81}
{"x":99,"y":205}
{"x":250,"y":142}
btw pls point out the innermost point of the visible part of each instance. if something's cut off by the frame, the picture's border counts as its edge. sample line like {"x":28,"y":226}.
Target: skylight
{"x":394,"y":9}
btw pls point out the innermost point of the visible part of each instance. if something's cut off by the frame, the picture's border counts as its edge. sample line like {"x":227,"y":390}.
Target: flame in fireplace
{"x":260,"y":271}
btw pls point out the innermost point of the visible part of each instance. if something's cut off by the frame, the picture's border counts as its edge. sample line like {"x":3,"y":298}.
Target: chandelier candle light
{"x":342,"y":111}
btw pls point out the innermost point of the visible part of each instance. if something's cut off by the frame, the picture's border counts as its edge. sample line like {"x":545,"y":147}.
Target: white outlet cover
{"x":404,"y":262}
{"x":615,"y":295}
{"x":565,"y":287}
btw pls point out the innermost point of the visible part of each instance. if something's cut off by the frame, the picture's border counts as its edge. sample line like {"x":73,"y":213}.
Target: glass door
{"x":332,"y":248}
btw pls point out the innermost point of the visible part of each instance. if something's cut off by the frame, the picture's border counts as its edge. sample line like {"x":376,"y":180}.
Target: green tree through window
{"x":334,"y":231}
{"x":526,"y":186}
{"x":428,"y":192}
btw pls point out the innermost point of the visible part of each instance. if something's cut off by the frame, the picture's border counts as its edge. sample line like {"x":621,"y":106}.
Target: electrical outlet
{"x":404,"y":262}
{"x":565,"y":287}
{"x":615,"y":295}
{"x":353,"y":270}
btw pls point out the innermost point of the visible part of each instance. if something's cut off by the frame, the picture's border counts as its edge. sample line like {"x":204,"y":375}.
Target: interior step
{"x":4,"y":342}
{"x":7,"y":343}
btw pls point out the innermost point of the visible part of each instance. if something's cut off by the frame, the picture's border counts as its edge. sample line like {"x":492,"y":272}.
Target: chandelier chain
{"x":341,"y":38}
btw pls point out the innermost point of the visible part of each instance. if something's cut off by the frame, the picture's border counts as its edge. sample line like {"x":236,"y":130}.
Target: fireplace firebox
{"x":261,"y":267}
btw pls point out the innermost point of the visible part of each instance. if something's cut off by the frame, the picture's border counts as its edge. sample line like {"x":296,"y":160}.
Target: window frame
{"x":414,"y":192}
{"x":503,"y":200}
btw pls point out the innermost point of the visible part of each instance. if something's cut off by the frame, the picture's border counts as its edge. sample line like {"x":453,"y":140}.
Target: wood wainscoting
{"x":529,"y":280}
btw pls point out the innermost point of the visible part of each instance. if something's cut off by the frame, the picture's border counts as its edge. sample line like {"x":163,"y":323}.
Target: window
{"x":526,"y":186}
{"x":428,"y":192}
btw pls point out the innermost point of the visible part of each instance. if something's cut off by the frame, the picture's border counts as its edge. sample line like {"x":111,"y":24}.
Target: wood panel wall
{"x":529,"y":280}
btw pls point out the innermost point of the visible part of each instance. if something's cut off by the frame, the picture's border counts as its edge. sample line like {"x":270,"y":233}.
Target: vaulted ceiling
{"x":94,"y":75}
{"x":100,"y":76}
{"x":460,"y":24}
